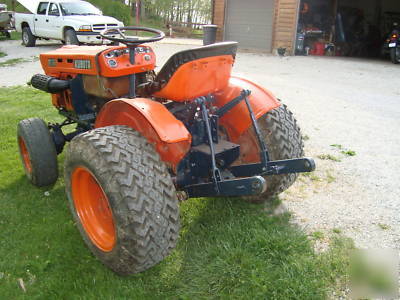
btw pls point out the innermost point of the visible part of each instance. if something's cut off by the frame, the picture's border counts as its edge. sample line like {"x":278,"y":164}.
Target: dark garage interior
{"x":356,"y":28}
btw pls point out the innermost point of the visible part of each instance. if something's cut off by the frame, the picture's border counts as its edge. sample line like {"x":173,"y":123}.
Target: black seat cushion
{"x":182,"y":57}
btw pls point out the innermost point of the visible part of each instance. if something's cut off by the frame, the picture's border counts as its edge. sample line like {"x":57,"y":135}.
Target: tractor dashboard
{"x":105,"y":61}
{"x":116,"y":62}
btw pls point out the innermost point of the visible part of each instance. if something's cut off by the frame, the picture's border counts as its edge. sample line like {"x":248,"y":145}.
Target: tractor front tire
{"x":38,"y":152}
{"x":28,"y":39}
{"x":70,"y":37}
{"x":122,"y":198}
{"x":283,"y":139}
{"x":395,"y":55}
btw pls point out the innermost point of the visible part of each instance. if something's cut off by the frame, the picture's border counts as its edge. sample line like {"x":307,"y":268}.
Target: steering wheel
{"x":131,"y":41}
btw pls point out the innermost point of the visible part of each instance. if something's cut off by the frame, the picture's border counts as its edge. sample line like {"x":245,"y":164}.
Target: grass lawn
{"x":228,"y":249}
{"x":14,"y":36}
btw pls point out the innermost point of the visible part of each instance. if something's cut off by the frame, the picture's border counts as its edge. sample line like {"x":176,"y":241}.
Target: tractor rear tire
{"x":283,"y":139}
{"x":395,"y":55}
{"x":37,"y":151}
{"x":122,"y":198}
{"x":70,"y":37}
{"x":28,"y":39}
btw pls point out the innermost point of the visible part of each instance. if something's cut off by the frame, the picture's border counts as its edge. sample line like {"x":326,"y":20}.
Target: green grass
{"x":13,"y":62}
{"x":150,"y":23}
{"x":318,"y":235}
{"x":14,"y":36}
{"x":228,"y":249}
{"x":2,"y":54}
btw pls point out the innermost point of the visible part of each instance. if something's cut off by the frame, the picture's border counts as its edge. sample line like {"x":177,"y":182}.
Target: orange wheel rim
{"x":93,"y":209}
{"x":25,"y":155}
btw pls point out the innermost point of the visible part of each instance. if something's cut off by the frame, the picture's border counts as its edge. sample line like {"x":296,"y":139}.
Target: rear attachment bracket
{"x":252,"y":181}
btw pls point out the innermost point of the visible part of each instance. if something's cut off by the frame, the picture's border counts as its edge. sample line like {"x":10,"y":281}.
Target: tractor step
{"x":229,"y":188}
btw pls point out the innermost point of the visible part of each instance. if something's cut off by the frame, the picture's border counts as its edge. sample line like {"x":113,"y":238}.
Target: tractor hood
{"x":29,"y":5}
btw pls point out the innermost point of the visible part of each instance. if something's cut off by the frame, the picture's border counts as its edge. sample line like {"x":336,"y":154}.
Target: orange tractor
{"x":144,"y":141}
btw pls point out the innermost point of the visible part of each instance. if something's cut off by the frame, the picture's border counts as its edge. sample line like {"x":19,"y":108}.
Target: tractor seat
{"x":196,"y":72}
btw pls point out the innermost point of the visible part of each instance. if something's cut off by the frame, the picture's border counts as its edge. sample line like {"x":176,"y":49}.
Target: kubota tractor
{"x":144,"y":141}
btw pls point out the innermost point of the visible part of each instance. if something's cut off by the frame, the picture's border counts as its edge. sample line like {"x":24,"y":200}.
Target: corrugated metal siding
{"x":250,"y":23}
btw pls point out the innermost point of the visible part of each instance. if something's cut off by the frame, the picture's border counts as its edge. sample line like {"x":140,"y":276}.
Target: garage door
{"x":250,"y":23}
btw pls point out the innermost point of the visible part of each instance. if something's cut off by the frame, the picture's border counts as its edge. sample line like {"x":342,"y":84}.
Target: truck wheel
{"x":283,"y":140}
{"x":8,"y":35}
{"x":37,"y":151}
{"x":28,"y":39}
{"x":395,"y":55}
{"x":122,"y":198}
{"x":70,"y":37}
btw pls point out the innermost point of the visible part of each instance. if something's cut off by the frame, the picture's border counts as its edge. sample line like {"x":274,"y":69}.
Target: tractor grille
{"x":101,"y":27}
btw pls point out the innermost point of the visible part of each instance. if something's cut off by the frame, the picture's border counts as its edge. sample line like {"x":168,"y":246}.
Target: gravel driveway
{"x":353,"y":104}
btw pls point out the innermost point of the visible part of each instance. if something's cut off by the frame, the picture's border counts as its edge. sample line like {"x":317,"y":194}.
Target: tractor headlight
{"x":85,"y":28}
{"x":82,"y":64}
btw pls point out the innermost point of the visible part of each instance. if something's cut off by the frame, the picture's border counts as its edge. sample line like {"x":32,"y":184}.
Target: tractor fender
{"x":168,"y":135}
{"x":237,"y":120}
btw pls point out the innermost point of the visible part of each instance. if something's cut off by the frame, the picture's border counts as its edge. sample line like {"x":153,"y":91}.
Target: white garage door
{"x":250,"y":23}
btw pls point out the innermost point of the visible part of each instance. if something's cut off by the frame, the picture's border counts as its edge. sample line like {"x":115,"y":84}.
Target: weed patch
{"x":337,"y":146}
{"x":349,"y":153}
{"x":384,"y":226}
{"x":344,"y":151}
{"x":329,"y":157}
{"x":329,"y":177}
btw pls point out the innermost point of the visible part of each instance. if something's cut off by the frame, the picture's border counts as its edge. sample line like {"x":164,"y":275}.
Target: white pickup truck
{"x":71,"y":21}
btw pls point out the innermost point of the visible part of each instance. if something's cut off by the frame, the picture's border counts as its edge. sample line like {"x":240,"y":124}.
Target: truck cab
{"x":71,"y":21}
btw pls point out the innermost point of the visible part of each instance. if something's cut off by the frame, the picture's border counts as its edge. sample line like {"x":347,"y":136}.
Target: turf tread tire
{"x":140,"y":191}
{"x":41,"y":149}
{"x":283,"y":139}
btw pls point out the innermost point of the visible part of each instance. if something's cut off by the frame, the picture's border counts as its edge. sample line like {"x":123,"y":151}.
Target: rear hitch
{"x":251,"y":180}
{"x":228,"y":188}
{"x":277,"y":167}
